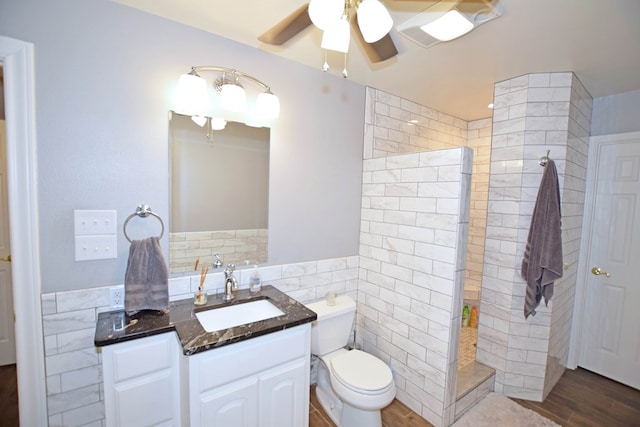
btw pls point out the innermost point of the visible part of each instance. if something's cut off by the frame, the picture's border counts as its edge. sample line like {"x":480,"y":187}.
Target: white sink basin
{"x":217,"y":319}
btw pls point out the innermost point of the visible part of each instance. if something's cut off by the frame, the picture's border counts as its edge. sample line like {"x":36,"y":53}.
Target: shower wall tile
{"x":529,"y":355}
{"x":406,"y":309}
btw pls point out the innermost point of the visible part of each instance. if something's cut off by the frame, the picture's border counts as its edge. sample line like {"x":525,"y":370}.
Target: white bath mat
{"x":496,"y":410}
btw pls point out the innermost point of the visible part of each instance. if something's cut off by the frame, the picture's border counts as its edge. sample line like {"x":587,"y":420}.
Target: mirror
{"x":219,"y":193}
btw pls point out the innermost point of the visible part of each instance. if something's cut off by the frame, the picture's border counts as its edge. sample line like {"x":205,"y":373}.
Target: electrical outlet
{"x":116,"y":297}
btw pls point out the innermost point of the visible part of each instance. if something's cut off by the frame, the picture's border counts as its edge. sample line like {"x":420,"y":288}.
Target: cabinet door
{"x":234,"y":404}
{"x":147,"y":401}
{"x":284,"y":396}
{"x":142,"y":382}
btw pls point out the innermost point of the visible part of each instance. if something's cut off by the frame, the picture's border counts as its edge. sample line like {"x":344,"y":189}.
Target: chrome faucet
{"x":230,"y":282}
{"x":218,"y":262}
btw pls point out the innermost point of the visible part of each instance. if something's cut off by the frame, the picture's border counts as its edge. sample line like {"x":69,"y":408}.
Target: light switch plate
{"x":96,"y":247}
{"x":94,"y":222}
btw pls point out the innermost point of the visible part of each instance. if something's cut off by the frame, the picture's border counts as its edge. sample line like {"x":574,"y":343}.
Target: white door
{"x":7,"y":334}
{"x":611,"y":326}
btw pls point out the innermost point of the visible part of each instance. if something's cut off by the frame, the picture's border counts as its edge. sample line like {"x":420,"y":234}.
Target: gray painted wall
{"x":105,"y":74}
{"x":616,"y":114}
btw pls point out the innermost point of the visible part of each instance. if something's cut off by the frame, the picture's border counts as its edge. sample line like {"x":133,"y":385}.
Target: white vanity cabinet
{"x":260,"y":382}
{"x":142,"y":382}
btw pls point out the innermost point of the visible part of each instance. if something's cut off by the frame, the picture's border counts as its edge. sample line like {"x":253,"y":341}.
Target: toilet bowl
{"x":353,"y":386}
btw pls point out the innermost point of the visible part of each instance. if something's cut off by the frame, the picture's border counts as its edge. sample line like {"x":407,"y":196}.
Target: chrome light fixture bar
{"x":193,"y":97}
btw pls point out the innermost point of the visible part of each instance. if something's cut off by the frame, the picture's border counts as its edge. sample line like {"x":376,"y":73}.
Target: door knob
{"x":598,"y":271}
{"x":7,"y":258}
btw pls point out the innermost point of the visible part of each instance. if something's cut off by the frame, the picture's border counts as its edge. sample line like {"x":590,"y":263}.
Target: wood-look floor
{"x":584,"y":399}
{"x":579,"y":399}
{"x":8,"y":396}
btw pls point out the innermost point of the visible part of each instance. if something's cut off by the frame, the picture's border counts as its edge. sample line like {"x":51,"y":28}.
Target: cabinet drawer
{"x":220,"y":366}
{"x":141,"y":357}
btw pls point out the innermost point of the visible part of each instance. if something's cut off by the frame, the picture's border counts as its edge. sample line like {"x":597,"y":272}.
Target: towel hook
{"x":142,"y":211}
{"x":544,"y":159}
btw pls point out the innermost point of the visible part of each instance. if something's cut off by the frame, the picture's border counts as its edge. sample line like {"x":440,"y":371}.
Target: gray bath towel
{"x":542,"y":262}
{"x":146,"y":281}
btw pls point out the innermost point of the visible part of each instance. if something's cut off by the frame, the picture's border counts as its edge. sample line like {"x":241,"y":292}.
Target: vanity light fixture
{"x":193,"y":97}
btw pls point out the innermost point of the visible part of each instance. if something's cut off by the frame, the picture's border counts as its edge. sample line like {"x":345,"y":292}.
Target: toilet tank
{"x":332,"y":329}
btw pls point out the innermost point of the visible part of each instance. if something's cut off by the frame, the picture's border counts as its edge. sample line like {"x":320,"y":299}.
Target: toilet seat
{"x":362,"y":373}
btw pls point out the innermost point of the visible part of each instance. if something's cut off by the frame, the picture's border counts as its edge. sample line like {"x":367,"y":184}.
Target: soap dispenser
{"x":255,"y":281}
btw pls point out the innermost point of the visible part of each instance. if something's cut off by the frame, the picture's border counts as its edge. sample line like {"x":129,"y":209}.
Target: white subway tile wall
{"x":75,"y":394}
{"x":533,"y":113}
{"x":479,"y":139}
{"x":412,"y":249}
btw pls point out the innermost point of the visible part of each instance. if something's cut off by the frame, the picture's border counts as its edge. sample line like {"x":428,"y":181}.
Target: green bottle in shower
{"x":465,"y":316}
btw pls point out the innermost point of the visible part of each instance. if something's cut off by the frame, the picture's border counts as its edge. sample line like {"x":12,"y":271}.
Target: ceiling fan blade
{"x":284,"y":30}
{"x":378,"y":51}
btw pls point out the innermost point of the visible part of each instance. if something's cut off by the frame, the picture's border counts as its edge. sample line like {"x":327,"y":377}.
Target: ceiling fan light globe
{"x":449,"y":26}
{"x":324,"y":12}
{"x":374,"y":20}
{"x":337,"y":36}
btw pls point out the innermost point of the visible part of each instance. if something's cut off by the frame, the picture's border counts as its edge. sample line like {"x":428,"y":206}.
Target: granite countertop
{"x":115,"y":326}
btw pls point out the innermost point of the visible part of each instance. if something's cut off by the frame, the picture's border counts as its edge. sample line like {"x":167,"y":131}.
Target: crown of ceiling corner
{"x":448,"y":20}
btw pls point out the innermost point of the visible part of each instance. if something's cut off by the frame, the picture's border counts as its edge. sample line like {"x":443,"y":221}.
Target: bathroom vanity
{"x":166,"y":369}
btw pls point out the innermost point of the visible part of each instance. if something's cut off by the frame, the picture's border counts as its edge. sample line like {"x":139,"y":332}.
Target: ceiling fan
{"x":371,"y":23}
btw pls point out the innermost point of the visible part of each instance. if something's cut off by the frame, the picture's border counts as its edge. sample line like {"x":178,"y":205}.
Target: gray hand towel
{"x":146,"y":281}
{"x":542,"y":262}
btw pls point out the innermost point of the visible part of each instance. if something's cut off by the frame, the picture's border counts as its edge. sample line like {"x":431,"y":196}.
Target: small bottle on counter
{"x":255,"y":281}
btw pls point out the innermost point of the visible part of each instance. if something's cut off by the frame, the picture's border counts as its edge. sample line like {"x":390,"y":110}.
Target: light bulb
{"x":217,"y":123}
{"x":323,"y":12}
{"x":374,"y":20}
{"x":233,"y":96}
{"x":192,"y":97}
{"x":268,"y":106}
{"x":337,"y":35}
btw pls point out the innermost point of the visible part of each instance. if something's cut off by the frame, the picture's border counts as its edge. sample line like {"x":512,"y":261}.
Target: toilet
{"x":353,"y":386}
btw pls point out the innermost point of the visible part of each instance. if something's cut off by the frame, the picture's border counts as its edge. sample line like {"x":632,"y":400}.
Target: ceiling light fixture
{"x":332,"y":17}
{"x":449,"y":26}
{"x":448,"y":20}
{"x":337,"y":35}
{"x":324,"y":12}
{"x":193,"y":97}
{"x":374,"y":20}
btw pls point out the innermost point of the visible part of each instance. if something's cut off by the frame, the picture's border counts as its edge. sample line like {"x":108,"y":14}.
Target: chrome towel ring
{"x":142,"y":211}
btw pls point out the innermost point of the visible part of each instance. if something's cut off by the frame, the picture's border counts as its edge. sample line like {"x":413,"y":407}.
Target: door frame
{"x":19,"y":76}
{"x":579,"y":314}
